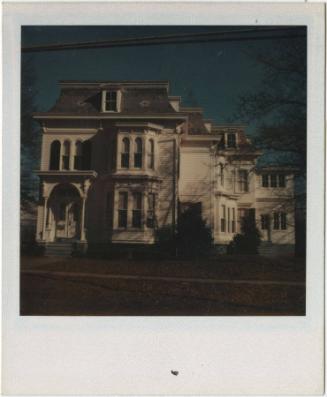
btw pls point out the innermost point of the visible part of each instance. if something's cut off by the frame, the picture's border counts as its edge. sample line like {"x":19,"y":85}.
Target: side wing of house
{"x":275,"y":205}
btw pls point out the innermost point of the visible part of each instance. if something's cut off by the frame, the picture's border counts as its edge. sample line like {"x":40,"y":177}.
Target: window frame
{"x":151,"y":211}
{"x":233,"y":220}
{"x":281,"y":180}
{"x":151,"y":154}
{"x":276,"y":220}
{"x":138,"y":153}
{"x":54,"y":158}
{"x":221,"y":174}
{"x":137,"y":210}
{"x":265,"y":180}
{"x":104,"y":100}
{"x":243,"y":180}
{"x":228,"y":143}
{"x":78,"y":156}
{"x":264,"y":221}
{"x":223,"y":219}
{"x":122,"y":211}
{"x":125,"y":154}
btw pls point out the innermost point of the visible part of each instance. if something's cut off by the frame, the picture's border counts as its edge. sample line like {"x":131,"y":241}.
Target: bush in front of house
{"x":248,"y":241}
{"x":194,"y":238}
{"x":166,"y":241}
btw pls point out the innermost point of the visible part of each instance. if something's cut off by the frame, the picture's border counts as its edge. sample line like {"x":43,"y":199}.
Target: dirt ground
{"x":227,"y":285}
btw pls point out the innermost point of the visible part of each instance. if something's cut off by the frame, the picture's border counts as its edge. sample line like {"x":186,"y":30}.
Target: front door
{"x":67,"y":220}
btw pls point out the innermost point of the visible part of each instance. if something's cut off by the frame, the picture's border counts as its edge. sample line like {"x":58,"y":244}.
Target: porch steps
{"x":267,"y":249}
{"x":59,"y":249}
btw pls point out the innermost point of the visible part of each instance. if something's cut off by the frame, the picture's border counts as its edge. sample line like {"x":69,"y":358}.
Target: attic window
{"x":110,"y":101}
{"x":231,"y":140}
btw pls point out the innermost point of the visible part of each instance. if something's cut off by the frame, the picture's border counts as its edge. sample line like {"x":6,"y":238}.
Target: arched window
{"x":86,"y":154}
{"x":151,"y":154}
{"x":55,"y":155}
{"x":65,"y":155}
{"x":125,"y":153}
{"x":138,"y":153}
{"x":78,"y":163}
{"x":221,"y":174}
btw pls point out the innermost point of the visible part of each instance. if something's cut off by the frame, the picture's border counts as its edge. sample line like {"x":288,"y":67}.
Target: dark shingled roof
{"x":137,"y":100}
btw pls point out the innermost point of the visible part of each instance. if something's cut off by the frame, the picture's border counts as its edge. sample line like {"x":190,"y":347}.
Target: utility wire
{"x":262,"y":33}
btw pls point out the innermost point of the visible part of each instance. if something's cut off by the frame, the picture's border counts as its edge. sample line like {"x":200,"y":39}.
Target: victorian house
{"x":121,"y":159}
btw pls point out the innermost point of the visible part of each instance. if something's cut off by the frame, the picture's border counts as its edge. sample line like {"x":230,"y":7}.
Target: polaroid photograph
{"x":163,"y":198}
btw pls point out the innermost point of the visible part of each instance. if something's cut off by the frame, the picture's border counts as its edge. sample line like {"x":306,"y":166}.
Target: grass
{"x":50,"y":293}
{"x":225,"y":266}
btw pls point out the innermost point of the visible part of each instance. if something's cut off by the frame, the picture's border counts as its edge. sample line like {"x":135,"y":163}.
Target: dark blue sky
{"x":211,"y":75}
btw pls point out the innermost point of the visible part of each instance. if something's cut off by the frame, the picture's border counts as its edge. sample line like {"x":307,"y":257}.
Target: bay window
{"x":151,"y":210}
{"x":125,"y":153}
{"x":137,"y":210}
{"x":138,"y":153}
{"x":122,"y":209}
{"x":151,"y":154}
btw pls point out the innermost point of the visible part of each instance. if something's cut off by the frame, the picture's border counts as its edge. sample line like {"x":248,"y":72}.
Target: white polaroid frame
{"x":135,"y":355}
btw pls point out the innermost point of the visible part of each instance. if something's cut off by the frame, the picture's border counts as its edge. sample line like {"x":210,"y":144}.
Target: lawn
{"x":227,"y":285}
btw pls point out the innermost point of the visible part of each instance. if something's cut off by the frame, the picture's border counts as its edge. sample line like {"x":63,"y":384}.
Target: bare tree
{"x":278,"y":105}
{"x":30,"y":132}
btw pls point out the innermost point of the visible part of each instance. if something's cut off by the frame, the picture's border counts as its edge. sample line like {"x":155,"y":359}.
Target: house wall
{"x":270,"y":200}
{"x":196,"y":178}
{"x":167,"y":171}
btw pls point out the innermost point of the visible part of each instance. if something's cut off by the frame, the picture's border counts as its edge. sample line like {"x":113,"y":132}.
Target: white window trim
{"x":103,"y":101}
{"x":236,"y":140}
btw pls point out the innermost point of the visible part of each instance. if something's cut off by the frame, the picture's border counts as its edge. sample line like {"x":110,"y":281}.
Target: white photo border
{"x":134,"y":355}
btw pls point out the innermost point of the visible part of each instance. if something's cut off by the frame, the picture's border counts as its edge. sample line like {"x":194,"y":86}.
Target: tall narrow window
{"x":281,"y":180}
{"x":151,"y":210}
{"x":87,"y":151}
{"x":265,"y":180}
{"x":151,"y":154}
{"x":283,"y":221}
{"x":243,"y":181}
{"x":231,"y":140}
{"x":122,"y":209}
{"x":273,"y":180}
{"x":223,"y":218}
{"x":233,"y":221}
{"x":65,"y":155}
{"x":221,"y":174}
{"x":138,"y":153}
{"x":228,"y":220}
{"x":55,"y":155}
{"x":111,"y":101}
{"x":78,"y":160}
{"x":276,"y":220}
{"x":265,"y":222}
{"x":125,"y":153}
{"x":137,"y":210}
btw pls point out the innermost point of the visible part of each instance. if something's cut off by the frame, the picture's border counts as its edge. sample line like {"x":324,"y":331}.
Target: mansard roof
{"x":138,"y":97}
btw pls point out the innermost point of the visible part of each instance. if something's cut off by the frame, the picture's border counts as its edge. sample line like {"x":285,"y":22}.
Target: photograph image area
{"x":163,"y":170}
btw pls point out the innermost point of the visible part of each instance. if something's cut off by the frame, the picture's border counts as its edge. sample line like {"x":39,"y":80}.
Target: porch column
{"x":83,"y":219}
{"x":72,"y":153}
{"x":60,"y":155}
{"x":44,"y":217}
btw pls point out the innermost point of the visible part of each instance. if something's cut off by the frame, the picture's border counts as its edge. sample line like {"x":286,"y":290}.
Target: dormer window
{"x":111,"y":101}
{"x":231,"y":140}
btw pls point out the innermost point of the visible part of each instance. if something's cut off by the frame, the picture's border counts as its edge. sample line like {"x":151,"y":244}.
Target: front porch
{"x":61,"y":212}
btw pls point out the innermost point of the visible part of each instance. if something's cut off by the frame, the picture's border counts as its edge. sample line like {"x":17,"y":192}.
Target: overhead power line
{"x":262,"y":33}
